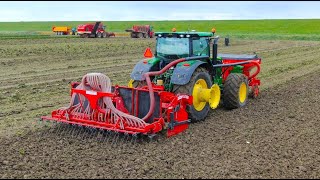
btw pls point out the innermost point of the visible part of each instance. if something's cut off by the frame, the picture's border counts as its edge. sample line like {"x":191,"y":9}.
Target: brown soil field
{"x":274,"y":136}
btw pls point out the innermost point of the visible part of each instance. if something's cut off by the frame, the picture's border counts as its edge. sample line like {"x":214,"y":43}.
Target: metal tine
{"x":99,"y":135}
{"x":134,"y":139}
{"x":107,"y":136}
{"x":67,"y":130}
{"x":93,"y":132}
{"x":115,"y":139}
{"x":64,"y":129}
{"x":72,"y":129}
{"x":46,"y":127}
{"x":124,"y":138}
{"x":80,"y":131}
{"x":75,"y":130}
{"x":120,"y":140}
{"x":88,"y":133}
{"x":58,"y":129}
{"x":84,"y":134}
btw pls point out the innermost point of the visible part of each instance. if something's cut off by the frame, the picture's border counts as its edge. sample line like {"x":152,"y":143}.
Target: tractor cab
{"x":175,"y":45}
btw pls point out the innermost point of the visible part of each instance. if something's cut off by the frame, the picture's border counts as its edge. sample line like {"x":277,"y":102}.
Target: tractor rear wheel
{"x":196,"y":112}
{"x":235,"y":91}
{"x":133,"y":35}
{"x":144,"y":35}
{"x":140,"y":35}
{"x":104,"y":35}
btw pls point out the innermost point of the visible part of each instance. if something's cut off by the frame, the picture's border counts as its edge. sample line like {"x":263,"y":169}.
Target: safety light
{"x":213,"y":30}
{"x":174,"y":29}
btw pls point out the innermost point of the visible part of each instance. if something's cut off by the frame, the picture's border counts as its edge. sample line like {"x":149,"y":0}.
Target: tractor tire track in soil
{"x":274,"y":136}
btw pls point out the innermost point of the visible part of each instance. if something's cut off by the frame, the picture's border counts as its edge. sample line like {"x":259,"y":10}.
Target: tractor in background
{"x":141,"y":31}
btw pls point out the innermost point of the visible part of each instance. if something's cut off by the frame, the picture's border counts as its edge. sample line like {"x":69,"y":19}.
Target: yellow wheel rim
{"x":130,"y":84}
{"x":243,"y":92}
{"x":196,"y":93}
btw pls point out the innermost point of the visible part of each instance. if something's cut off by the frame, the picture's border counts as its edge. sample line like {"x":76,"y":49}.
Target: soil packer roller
{"x":178,"y":85}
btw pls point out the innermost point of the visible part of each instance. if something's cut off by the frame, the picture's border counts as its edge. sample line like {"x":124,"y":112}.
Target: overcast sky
{"x":157,"y":10}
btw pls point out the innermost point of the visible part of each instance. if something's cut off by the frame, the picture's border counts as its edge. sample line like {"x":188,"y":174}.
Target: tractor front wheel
{"x":136,"y":84}
{"x":235,"y":91}
{"x":199,"y":110}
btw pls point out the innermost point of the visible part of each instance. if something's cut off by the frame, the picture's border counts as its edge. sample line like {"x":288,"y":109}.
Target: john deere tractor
{"x":210,"y":78}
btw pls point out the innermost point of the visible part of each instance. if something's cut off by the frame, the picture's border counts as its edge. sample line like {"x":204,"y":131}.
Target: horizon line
{"x":168,"y":20}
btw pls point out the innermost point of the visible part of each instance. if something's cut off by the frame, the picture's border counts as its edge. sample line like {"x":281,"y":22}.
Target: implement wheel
{"x":99,"y":35}
{"x":136,"y":84}
{"x":235,"y":91}
{"x":200,"y":78}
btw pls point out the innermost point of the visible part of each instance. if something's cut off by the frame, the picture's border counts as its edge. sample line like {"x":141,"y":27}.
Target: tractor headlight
{"x":181,"y":35}
{"x":159,"y":35}
{"x":188,"y":35}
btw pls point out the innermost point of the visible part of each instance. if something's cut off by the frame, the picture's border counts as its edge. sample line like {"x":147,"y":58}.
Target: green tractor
{"x":210,"y":78}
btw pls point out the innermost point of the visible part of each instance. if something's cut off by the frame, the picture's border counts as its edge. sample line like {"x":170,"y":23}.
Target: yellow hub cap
{"x":202,"y":95}
{"x":243,"y":92}
{"x":198,"y":104}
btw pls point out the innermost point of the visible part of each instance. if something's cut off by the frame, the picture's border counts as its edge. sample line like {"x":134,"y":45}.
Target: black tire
{"x":140,"y":35}
{"x":199,"y":73}
{"x":144,"y":35}
{"x":231,"y":99}
{"x":137,"y":84}
{"x":99,"y":35}
{"x":133,"y":35}
{"x":104,"y":35}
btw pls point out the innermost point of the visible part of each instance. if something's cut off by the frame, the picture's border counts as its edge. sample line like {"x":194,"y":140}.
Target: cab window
{"x":200,"y":46}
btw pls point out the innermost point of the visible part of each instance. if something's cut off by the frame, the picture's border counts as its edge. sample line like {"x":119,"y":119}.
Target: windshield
{"x":173,"y":46}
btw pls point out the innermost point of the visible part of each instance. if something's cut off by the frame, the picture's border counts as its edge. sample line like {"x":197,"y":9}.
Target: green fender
{"x":184,"y":70}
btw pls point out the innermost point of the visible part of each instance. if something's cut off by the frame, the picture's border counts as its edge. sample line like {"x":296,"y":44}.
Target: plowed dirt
{"x":274,"y":136}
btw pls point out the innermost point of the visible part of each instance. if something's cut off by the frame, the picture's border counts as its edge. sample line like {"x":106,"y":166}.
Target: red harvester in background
{"x":94,"y":30}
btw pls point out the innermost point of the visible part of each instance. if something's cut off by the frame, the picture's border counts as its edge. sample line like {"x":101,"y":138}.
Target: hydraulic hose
{"x":154,"y":73}
{"x":151,"y":92}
